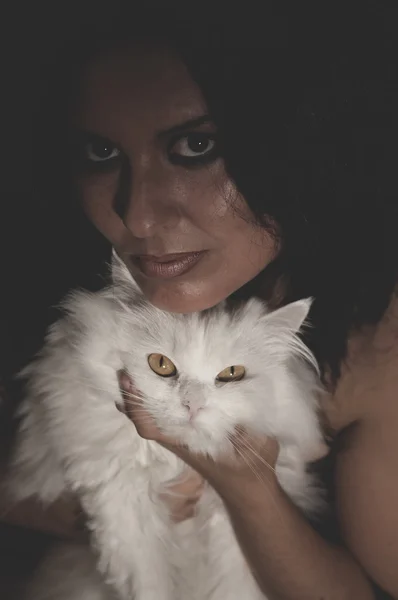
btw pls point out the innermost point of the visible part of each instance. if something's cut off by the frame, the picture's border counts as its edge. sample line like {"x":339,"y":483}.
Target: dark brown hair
{"x":305,"y":102}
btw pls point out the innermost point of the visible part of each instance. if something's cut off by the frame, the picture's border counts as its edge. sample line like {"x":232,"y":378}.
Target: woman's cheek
{"x":98,"y":195}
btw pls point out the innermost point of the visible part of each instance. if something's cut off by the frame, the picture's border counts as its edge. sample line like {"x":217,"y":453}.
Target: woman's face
{"x":180,"y":225}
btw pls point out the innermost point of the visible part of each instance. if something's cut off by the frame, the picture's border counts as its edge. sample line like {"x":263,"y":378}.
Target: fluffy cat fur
{"x":72,"y":438}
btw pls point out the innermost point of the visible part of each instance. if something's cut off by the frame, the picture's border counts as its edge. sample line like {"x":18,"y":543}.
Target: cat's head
{"x":201,"y":375}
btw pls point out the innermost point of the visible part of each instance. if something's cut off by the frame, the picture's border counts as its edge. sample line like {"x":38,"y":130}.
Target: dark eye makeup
{"x":96,"y":154}
{"x":193,"y":148}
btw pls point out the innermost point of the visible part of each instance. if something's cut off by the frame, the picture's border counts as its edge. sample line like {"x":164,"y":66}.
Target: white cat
{"x":200,"y":375}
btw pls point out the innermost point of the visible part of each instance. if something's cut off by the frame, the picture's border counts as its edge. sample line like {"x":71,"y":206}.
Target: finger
{"x":195,"y":481}
{"x":126,"y":387}
{"x":189,"y":477}
{"x":203,"y":464}
{"x":147,"y":428}
{"x":134,"y":409}
{"x":144,"y":423}
{"x":187,"y":513}
{"x":190,"y":488}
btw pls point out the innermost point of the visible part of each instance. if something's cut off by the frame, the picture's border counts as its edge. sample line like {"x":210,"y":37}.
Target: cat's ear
{"x":292,"y":316}
{"x":121,"y":277}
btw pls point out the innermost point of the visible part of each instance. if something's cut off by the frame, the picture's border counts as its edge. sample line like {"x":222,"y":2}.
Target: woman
{"x":237,"y":159}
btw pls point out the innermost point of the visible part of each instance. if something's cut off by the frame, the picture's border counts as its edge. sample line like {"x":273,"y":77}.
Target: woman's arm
{"x":367,"y":494}
{"x":63,"y":519}
{"x":290,"y":560}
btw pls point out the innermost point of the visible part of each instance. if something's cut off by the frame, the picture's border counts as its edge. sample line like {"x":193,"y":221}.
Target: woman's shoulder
{"x":364,"y":410}
{"x":368,"y":385}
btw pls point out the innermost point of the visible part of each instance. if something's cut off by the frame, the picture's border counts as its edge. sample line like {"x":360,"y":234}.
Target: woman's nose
{"x":150,"y":205}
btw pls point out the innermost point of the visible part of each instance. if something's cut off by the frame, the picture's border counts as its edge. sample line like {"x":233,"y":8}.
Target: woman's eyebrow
{"x":202,"y":120}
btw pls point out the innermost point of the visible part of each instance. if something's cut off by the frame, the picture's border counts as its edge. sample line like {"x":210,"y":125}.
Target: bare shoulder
{"x":366,"y":483}
{"x":368,"y":386}
{"x":367,"y":464}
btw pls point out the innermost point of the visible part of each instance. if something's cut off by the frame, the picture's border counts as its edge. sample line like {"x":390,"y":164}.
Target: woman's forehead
{"x":138,"y":83}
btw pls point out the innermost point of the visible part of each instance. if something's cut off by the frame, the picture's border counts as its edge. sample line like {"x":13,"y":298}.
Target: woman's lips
{"x":167,"y":266}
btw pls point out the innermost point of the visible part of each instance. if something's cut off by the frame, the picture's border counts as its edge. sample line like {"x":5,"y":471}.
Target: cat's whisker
{"x":137,"y":405}
{"x":143,"y":416}
{"x":257,"y":475}
{"x":248,"y":437}
{"x":136,"y":412}
{"x":240,"y":451}
{"x":244,"y":441}
{"x":129,"y":395}
{"x":137,"y":409}
{"x":143,"y":421}
{"x":86,"y":383}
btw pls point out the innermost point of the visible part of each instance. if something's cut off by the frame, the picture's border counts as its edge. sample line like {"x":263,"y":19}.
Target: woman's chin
{"x":180,"y":296}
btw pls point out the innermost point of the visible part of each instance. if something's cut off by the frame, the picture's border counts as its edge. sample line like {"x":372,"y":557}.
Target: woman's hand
{"x":254,"y":458}
{"x":182,"y":494}
{"x":280,"y":546}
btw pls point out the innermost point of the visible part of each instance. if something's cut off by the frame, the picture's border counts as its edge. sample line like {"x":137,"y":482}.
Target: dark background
{"x":46,"y":248}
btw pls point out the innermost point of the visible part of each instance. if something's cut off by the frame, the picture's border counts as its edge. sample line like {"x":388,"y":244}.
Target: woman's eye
{"x":100,"y":151}
{"x":193,"y":145}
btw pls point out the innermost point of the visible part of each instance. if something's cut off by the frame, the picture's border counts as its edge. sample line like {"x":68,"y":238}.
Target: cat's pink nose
{"x":193,"y":407}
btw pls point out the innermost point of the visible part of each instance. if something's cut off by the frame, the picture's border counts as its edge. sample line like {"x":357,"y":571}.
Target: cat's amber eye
{"x":161,"y":365}
{"x":234,"y":373}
